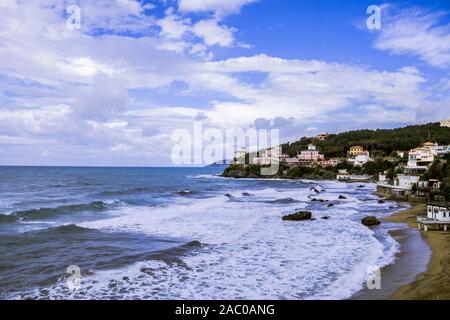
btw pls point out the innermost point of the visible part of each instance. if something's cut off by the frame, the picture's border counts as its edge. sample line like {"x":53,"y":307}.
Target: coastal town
{"x":411,"y":175}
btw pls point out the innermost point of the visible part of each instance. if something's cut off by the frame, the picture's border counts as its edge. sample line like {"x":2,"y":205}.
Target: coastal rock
{"x":341,"y":197}
{"x":317,"y":189}
{"x":330,"y":205}
{"x":361,"y":186}
{"x":325,"y":218}
{"x":194,"y":243}
{"x":370,"y":221}
{"x":246,"y":194}
{"x":298,"y":216}
{"x":381,"y":201}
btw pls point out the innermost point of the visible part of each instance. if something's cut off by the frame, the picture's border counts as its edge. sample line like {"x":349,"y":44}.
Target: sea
{"x":184,"y":233}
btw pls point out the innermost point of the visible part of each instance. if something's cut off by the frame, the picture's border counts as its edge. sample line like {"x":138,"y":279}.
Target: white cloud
{"x":174,"y":27}
{"x":306,"y":90}
{"x":72,"y":91}
{"x":416,"y":33}
{"x":214,"y":34}
{"x":220,"y":7}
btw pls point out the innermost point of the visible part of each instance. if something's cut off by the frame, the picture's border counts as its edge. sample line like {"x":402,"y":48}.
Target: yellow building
{"x":355,"y":151}
{"x":321,"y":136}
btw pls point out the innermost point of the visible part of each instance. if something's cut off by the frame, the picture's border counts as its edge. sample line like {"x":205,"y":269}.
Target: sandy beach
{"x":434,"y":284}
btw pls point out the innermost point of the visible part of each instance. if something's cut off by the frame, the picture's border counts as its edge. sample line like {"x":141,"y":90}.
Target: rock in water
{"x":325,"y":218}
{"x":246,"y":194}
{"x":317,"y":189}
{"x":380,"y":201}
{"x":298,"y":216}
{"x":194,"y":243}
{"x":342,"y":197}
{"x":330,"y":205}
{"x":370,"y":221}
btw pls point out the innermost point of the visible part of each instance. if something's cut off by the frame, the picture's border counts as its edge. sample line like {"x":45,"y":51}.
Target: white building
{"x":441,"y":150}
{"x":239,"y":156}
{"x":445,"y":123}
{"x":400,"y":186}
{"x":420,"y":158}
{"x":343,"y":175}
{"x":362,"y":159}
{"x":438,"y":210}
{"x":269,"y":156}
{"x":406,"y":181}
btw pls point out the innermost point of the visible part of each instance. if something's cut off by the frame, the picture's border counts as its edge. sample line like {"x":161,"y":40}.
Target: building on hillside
{"x":401,"y":154}
{"x":321,"y":136}
{"x":419,"y":159}
{"x":310,"y":157}
{"x":329,"y":163}
{"x":239,"y":156}
{"x":437,"y":215}
{"x":431,"y":146}
{"x":401,"y":185}
{"x":362,"y":159}
{"x":425,"y":188}
{"x":343,"y":175}
{"x":382,"y":177}
{"x":441,"y":150}
{"x":438,"y":208}
{"x":292,"y":161}
{"x":268,"y":156}
{"x":355,"y":150}
{"x":445,"y":123}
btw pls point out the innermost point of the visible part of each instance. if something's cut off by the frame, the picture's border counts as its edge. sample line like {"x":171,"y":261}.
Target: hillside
{"x":378,"y":142}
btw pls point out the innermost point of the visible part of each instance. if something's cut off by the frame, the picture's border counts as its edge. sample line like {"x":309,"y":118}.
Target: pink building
{"x":311,"y":154}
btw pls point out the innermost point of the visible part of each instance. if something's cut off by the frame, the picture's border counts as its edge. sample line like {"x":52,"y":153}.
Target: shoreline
{"x":421,"y":270}
{"x":434,"y":283}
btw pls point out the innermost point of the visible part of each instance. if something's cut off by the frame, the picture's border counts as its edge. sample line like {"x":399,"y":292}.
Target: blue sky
{"x":113,"y":91}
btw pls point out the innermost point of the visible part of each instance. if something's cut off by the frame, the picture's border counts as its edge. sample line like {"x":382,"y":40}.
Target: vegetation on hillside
{"x":382,"y":145}
{"x":379,"y":142}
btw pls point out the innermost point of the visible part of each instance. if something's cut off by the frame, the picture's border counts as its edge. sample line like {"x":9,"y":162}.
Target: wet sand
{"x":434,"y":283}
{"x":411,"y":260}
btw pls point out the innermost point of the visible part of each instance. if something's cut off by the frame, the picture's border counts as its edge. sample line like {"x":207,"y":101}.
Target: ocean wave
{"x":248,"y":252}
{"x":42,"y":213}
{"x":282,"y":201}
{"x":127,"y":191}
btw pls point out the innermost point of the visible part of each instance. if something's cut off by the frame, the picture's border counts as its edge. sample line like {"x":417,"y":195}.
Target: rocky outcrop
{"x":194,"y":243}
{"x":298,"y":216}
{"x":316,"y":189}
{"x":370,"y":221}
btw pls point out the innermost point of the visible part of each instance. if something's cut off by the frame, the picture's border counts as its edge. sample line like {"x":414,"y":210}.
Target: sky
{"x":112,"y":87}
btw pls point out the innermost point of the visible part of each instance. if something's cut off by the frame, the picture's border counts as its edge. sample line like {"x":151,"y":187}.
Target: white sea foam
{"x":250,"y":252}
